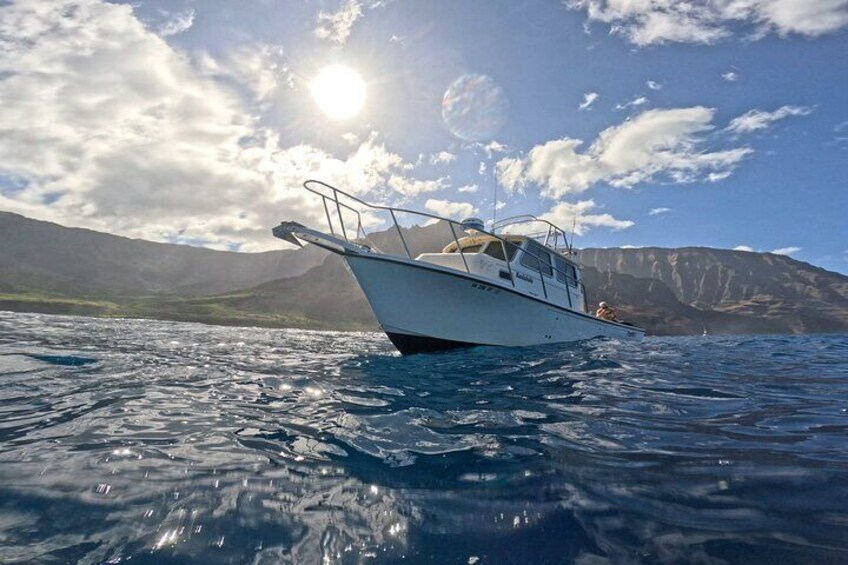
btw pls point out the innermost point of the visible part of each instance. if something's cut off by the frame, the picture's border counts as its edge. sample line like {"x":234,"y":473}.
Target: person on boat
{"x":606,"y":313}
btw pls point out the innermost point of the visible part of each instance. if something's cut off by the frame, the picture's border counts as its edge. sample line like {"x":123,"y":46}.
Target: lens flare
{"x":474,"y":107}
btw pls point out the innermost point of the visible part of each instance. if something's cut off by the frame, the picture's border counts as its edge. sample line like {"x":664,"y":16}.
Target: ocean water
{"x":130,"y":441}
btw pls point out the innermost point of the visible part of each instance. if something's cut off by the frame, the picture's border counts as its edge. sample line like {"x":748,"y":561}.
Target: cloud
{"x":656,"y":144}
{"x":635,"y":103}
{"x":350,"y":138}
{"x":177,"y":23}
{"x":652,"y":22}
{"x":409,"y":187}
{"x":448,"y":209}
{"x":588,"y":99}
{"x":657,"y":211}
{"x":754,"y":120}
{"x":468,"y":188}
{"x":442,"y":158}
{"x":781,"y":251}
{"x":653,"y":85}
{"x":578,"y":215}
{"x":787,"y":250}
{"x":730,"y":76}
{"x":336,"y":26}
{"x":108,"y":127}
{"x":261,"y":68}
{"x":510,"y":174}
{"x":721,"y":175}
{"x":494,"y":147}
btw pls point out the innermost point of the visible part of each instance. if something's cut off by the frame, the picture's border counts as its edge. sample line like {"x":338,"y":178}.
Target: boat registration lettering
{"x":485,"y":288}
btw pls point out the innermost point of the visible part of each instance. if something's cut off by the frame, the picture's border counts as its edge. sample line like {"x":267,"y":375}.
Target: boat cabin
{"x":517,"y":261}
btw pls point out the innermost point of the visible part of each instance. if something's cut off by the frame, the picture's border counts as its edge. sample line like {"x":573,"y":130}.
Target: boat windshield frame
{"x":553,"y":236}
{"x":334,"y":206}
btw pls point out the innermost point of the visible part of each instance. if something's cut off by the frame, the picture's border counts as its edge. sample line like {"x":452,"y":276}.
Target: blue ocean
{"x":136,"y":441}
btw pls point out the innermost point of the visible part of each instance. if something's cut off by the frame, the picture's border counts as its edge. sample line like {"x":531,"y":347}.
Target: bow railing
{"x":336,"y":202}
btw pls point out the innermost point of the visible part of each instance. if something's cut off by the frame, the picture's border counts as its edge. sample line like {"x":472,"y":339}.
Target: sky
{"x":720,"y":123}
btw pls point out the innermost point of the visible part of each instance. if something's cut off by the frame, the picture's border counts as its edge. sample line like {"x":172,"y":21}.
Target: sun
{"x":339,"y":91}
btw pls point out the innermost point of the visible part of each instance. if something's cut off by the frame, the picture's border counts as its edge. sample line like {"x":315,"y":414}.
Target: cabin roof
{"x":481,"y":239}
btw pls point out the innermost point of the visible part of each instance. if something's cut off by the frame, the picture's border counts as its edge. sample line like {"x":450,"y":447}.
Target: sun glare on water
{"x":339,"y":91}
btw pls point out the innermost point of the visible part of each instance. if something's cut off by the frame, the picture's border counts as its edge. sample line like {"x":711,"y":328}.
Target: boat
{"x":505,"y":286}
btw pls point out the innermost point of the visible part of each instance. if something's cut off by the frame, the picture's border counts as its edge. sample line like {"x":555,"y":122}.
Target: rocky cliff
{"x":763,"y":292}
{"x":48,"y":268}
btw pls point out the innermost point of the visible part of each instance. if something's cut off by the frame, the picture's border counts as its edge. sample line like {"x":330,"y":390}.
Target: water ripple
{"x":163,"y":442}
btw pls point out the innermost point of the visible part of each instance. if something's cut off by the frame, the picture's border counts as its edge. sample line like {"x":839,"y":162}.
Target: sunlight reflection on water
{"x":187,"y":443}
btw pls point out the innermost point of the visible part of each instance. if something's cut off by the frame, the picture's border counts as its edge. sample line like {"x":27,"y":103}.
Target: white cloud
{"x":261,"y":68}
{"x":413,"y":187}
{"x":494,"y":147}
{"x":177,"y":23}
{"x":442,"y":158}
{"x":588,"y":99}
{"x":468,"y":188}
{"x":578,"y":215}
{"x":654,"y":85}
{"x":721,"y":175}
{"x":840,"y":126}
{"x":781,"y":251}
{"x":350,"y":138}
{"x":448,"y":209}
{"x":650,"y":22}
{"x":754,"y":120}
{"x":635,"y":103}
{"x":109,"y":128}
{"x":787,"y":250}
{"x":336,"y":26}
{"x":657,"y":143}
{"x":730,"y":76}
{"x":510,"y":174}
{"x":657,"y":211}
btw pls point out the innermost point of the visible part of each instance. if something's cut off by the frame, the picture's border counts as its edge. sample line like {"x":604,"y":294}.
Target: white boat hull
{"x":428,"y":308}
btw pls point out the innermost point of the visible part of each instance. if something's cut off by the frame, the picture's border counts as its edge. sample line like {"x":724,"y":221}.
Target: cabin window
{"x":529,"y":261}
{"x":545,"y":258}
{"x":472,"y":249}
{"x":566,"y":273}
{"x":540,"y":260}
{"x":496,"y":249}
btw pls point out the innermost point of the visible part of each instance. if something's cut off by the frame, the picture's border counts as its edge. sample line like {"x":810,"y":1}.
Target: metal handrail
{"x":553,"y":229}
{"x":451,"y":223}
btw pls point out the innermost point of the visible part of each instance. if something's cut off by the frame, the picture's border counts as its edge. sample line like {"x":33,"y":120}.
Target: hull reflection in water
{"x":182,"y":443}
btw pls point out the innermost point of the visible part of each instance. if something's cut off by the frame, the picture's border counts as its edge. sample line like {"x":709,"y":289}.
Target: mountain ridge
{"x":47,"y":257}
{"x":45,"y":267}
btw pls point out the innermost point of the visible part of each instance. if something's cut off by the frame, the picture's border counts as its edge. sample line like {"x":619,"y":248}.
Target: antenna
{"x":495,"y":206}
{"x":573,"y":230}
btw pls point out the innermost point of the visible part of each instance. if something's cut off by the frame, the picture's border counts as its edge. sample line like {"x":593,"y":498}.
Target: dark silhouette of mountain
{"x":38,"y":256}
{"x":48,"y":268}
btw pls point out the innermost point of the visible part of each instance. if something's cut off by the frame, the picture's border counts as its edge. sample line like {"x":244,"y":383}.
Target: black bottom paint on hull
{"x":412,"y":344}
